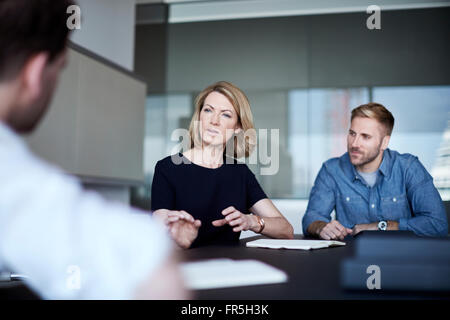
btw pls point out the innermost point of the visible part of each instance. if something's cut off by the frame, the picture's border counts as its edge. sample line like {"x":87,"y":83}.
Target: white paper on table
{"x":221,"y":273}
{"x":293,"y":244}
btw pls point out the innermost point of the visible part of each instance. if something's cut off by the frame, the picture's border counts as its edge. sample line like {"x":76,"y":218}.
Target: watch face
{"x":382,"y":225}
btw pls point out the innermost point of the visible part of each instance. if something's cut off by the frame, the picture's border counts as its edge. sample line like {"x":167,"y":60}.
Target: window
{"x":422,"y":127}
{"x":313,"y":125}
{"x":325,"y":118}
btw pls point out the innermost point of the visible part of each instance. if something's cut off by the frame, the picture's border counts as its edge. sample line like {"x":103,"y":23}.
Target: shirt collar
{"x":6,"y":132}
{"x":385,"y":166}
{"x":348,"y":168}
{"x":10,"y":139}
{"x":386,"y":163}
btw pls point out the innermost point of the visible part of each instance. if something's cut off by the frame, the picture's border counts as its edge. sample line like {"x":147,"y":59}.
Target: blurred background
{"x":304,"y":66}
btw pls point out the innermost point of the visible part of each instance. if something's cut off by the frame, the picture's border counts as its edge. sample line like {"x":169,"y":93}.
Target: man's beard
{"x":365,"y":158}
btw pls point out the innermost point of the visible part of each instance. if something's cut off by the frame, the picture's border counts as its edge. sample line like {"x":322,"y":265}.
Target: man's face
{"x":365,"y":141}
{"x":29,"y":117}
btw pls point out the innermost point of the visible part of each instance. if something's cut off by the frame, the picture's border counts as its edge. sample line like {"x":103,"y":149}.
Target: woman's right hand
{"x":182,"y":226}
{"x":169,"y":216}
{"x":184,"y":232}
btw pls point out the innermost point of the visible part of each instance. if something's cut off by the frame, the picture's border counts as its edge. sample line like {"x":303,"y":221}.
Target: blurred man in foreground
{"x":70,"y":243}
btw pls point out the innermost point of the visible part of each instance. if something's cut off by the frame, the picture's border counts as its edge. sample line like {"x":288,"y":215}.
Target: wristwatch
{"x":261,"y":223}
{"x":382,"y":225}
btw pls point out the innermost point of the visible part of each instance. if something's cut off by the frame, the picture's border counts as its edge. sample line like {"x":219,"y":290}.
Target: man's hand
{"x":333,"y":230}
{"x":184,"y":232}
{"x":364,"y":226}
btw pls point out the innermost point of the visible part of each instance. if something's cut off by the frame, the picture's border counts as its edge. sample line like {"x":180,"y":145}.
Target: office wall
{"x":410,"y":49}
{"x":95,"y":126}
{"x":255,"y":54}
{"x":107,"y":28}
{"x":311,"y":51}
{"x":269,"y":56}
{"x":151,"y":55}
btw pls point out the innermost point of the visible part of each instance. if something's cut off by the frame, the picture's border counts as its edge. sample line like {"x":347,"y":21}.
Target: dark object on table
{"x":397,"y":260}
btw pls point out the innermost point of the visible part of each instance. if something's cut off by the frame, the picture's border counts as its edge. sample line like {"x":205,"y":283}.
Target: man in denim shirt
{"x":372,"y":187}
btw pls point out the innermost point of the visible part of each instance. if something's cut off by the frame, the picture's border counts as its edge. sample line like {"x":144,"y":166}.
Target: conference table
{"x":312,"y":274}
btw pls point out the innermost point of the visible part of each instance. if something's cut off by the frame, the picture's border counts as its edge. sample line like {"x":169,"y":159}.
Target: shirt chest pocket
{"x":352,"y":202}
{"x":355,"y":208}
{"x":395,"y":207}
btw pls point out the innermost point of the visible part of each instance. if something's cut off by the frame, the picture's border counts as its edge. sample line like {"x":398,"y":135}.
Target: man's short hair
{"x":377,"y":112}
{"x":28,"y":27}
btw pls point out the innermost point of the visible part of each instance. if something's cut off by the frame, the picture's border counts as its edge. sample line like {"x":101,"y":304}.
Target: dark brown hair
{"x":28,"y":27}
{"x":377,"y":112}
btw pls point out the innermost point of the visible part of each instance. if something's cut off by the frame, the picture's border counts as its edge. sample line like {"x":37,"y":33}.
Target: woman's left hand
{"x":236,"y":219}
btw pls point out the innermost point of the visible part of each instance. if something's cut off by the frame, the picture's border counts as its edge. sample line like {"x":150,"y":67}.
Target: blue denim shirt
{"x":404,"y":192}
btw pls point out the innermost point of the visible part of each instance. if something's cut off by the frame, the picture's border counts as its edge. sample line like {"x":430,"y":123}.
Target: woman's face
{"x":218,"y":120}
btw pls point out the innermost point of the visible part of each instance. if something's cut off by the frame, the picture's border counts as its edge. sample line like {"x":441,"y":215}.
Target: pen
{"x":9,"y":276}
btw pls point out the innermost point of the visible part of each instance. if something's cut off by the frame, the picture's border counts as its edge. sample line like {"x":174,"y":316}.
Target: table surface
{"x":313,"y":274}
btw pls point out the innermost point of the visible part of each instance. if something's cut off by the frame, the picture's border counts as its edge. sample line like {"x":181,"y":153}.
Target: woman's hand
{"x":238,"y":220}
{"x":182,"y":226}
{"x":184,"y":232}
{"x":169,"y":216}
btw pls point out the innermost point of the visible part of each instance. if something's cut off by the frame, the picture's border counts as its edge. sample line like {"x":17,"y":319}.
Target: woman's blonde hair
{"x":242,"y":143}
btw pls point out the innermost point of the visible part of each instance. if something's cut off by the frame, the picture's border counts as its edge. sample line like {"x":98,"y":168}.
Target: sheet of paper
{"x":221,"y":273}
{"x":293,"y":244}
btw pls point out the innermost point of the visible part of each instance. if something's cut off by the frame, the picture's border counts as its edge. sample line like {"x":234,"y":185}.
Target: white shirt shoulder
{"x":71,"y":243}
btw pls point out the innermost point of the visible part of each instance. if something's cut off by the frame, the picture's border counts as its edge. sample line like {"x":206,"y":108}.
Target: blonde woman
{"x":204,"y":195}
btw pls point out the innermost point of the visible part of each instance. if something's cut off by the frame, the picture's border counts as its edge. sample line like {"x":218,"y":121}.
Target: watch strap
{"x":261,"y":223}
